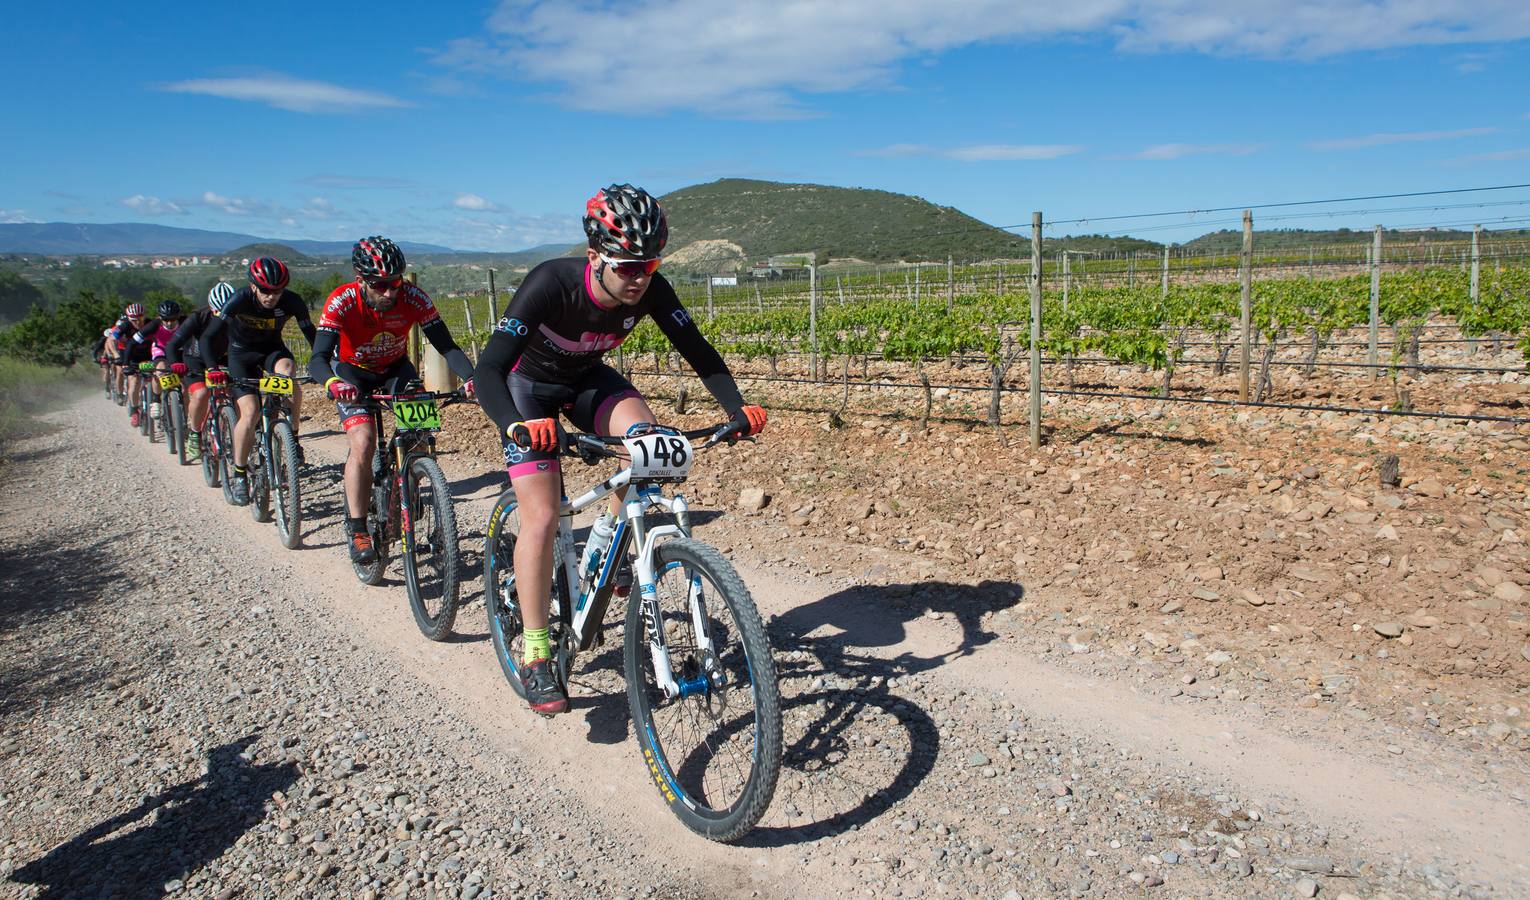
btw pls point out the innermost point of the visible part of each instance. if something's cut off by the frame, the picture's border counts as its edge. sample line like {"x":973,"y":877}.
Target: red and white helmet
{"x":627,"y":221}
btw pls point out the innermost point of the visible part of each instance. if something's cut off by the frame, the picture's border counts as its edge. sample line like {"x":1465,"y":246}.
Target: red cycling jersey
{"x":370,"y":339}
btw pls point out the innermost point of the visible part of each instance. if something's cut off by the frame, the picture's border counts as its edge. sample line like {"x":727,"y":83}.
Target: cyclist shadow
{"x":166,"y":836}
{"x":468,"y":487}
{"x":856,"y":744}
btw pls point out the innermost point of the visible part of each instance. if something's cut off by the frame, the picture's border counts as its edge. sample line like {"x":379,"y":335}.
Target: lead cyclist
{"x":545,"y":358}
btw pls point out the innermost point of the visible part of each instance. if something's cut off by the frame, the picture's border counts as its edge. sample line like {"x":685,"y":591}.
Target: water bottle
{"x":600,"y":539}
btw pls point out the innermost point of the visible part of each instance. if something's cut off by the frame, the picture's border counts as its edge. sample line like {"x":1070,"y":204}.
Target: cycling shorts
{"x":391,"y":380}
{"x":244,"y":362}
{"x":587,"y":403}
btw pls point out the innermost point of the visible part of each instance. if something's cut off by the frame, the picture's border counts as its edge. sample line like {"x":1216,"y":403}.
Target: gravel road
{"x":190,"y":709}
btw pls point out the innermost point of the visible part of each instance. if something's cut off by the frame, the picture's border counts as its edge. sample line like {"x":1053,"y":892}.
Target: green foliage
{"x":63,"y":336}
{"x":29,"y":388}
{"x":17,"y":296}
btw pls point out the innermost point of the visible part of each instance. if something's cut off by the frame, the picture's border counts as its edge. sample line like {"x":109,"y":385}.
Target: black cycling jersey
{"x":187,"y":340}
{"x":554,"y":331}
{"x":251,"y":326}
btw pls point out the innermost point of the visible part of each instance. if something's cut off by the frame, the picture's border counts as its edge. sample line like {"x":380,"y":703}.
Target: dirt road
{"x":191,"y":709}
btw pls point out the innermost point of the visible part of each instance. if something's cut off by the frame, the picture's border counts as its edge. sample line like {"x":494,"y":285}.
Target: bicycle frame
{"x":631,"y":529}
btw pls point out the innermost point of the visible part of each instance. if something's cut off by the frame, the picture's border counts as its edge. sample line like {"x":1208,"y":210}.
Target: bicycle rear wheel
{"x":431,"y":559}
{"x":212,"y":465}
{"x":145,"y":421}
{"x":714,"y":751}
{"x":225,"y":426}
{"x":259,"y":468}
{"x":501,"y":598}
{"x":284,"y":472}
{"x":175,"y":443}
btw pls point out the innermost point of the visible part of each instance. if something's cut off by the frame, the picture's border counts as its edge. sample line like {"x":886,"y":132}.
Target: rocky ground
{"x":1163,"y":656}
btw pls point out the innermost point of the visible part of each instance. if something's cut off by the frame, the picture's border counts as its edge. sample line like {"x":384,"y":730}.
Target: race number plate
{"x":275,"y":384}
{"x":169,"y":382}
{"x":664,"y":456}
{"x":146,"y":367}
{"x":417,"y":415}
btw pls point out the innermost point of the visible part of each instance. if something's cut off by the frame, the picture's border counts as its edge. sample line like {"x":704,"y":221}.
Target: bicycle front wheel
{"x":714,"y":748}
{"x":212,"y":465}
{"x":429,"y":531}
{"x":284,"y":476}
{"x":259,"y":468}
{"x":225,"y":425}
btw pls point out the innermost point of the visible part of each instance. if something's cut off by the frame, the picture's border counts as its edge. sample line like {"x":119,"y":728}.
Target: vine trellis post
{"x":1035,"y":331}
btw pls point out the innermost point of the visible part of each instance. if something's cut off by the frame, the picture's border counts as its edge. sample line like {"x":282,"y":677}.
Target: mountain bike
{"x":701,"y":682}
{"x":172,"y":413}
{"x":145,"y":400}
{"x":273,"y":461}
{"x":218,"y":433}
{"x":412,"y":504}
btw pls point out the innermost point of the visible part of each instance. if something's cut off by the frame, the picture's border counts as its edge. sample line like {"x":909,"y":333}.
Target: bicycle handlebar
{"x":586,"y":446}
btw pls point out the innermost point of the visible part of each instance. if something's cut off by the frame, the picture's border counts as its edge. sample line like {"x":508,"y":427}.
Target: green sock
{"x":536,"y":646}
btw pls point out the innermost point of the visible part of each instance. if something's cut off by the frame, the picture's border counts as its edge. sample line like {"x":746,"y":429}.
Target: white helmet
{"x":219,"y":296}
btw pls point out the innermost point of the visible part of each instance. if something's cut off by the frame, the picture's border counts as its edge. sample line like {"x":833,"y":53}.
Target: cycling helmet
{"x":169,"y":309}
{"x":134,"y":311}
{"x":268,"y":273}
{"x":218,"y":297}
{"x":377,"y":257}
{"x":626,"y":220}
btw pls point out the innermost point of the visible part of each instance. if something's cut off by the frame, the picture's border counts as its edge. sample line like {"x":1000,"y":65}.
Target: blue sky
{"x":484,"y":126}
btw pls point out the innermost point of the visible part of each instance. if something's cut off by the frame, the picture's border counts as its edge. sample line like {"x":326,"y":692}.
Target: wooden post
{"x":493,"y":301}
{"x":1067,"y":280}
{"x":467,"y":307}
{"x":1371,"y":354}
{"x":813,"y":315}
{"x":1165,"y":292}
{"x":918,"y":268}
{"x":710,"y":313}
{"x":1246,"y":322}
{"x":1035,"y":331}
{"x":759,"y":301}
{"x":950,"y":281}
{"x":414,"y":331}
{"x":1476,"y":275}
{"x":840,"y":283}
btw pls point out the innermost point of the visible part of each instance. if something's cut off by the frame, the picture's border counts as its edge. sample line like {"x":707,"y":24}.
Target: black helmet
{"x":169,"y":309}
{"x":627,"y":221}
{"x":377,"y":257}
{"x":268,"y":273}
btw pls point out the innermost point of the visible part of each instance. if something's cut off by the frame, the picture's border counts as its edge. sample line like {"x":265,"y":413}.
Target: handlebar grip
{"x":521,"y":435}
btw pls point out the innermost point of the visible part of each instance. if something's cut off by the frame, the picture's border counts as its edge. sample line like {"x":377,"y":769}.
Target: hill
{"x":281,"y":251}
{"x":137,"y":238}
{"x":1231,"y":241}
{"x":766,"y":218}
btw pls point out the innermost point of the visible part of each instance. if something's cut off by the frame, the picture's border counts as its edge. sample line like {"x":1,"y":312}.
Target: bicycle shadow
{"x":167,"y":836}
{"x":864,"y":743}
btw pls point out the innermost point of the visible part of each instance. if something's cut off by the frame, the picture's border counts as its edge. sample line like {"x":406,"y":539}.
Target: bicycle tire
{"x":259,"y":467}
{"x":145,"y":421}
{"x":500,"y":598}
{"x":212,"y":465}
{"x":284,"y":473}
{"x":225,"y":425}
{"x":174,"y":424}
{"x":689,"y":786}
{"x":423,"y":475}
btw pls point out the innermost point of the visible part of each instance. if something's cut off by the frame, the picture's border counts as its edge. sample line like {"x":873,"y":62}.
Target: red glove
{"x":217,"y":377}
{"x":753,"y":418}
{"x":341,"y":390}
{"x":540,"y":435}
{"x":468,"y":390}
{"x":179,"y":368}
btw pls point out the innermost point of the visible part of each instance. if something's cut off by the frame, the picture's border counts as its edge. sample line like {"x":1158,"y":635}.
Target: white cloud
{"x":1176,"y":151}
{"x":318,"y":208}
{"x":234,"y":206}
{"x":1496,"y":156}
{"x":15,"y":217}
{"x":152,"y":206}
{"x":757,"y":59}
{"x":286,"y":92}
{"x":1376,"y":140}
{"x":474,"y":202}
{"x":977,"y":152}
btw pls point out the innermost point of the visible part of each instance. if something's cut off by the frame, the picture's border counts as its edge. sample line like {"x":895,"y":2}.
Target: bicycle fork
{"x":710,"y":676}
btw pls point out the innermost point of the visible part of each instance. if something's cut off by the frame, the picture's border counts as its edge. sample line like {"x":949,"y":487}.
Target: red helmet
{"x":269,"y":273}
{"x":626,"y":221}
{"x":134,"y":311}
{"x":377,"y":257}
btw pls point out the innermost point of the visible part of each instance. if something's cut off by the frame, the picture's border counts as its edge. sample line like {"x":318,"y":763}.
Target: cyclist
{"x":362,"y":336}
{"x":184,"y":354}
{"x":544,"y":358}
{"x":155,"y":334}
{"x":130,"y":354}
{"x":98,"y":353}
{"x":253,"y":321}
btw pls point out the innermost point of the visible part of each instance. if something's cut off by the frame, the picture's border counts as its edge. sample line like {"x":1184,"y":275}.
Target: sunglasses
{"x":383,"y":285}
{"x":633,"y":268}
{"x":269,"y":292}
